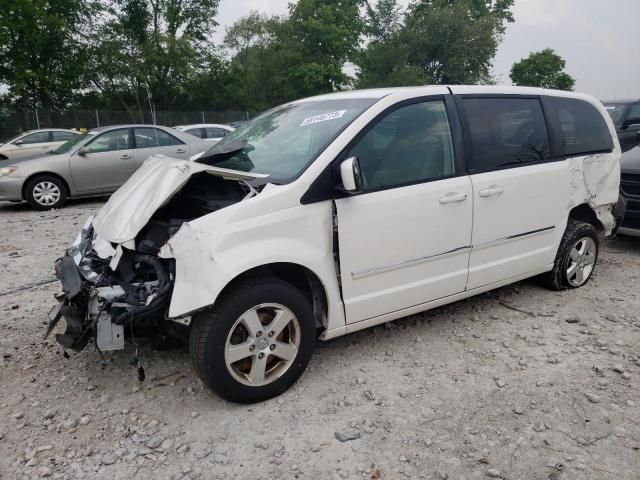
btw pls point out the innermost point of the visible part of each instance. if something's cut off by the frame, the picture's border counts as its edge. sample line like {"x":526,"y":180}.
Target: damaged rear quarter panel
{"x":213,"y":250}
{"x":595,"y":179}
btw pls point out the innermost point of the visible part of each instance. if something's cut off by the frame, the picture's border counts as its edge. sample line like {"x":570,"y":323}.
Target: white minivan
{"x":339,"y":212}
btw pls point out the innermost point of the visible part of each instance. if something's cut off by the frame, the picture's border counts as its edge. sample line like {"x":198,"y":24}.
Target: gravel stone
{"x":347,"y":436}
{"x":448,"y":405}
{"x":45,"y":472}
{"x":70,"y":423}
{"x":155,"y":442}
{"x":593,"y":398}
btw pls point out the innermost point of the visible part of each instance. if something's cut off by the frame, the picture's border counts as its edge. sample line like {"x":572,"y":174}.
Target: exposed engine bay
{"x":108,"y":296}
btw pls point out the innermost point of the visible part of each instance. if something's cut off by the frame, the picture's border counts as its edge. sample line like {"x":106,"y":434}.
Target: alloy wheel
{"x":582,"y":259}
{"x":262,"y":344}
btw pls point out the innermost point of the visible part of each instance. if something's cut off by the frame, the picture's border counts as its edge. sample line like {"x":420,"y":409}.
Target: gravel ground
{"x":519,"y":383}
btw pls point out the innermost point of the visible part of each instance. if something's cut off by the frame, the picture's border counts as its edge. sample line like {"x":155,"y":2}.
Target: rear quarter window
{"x":580,"y":126}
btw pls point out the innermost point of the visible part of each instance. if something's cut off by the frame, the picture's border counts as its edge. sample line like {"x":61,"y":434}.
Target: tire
{"x":45,"y":192}
{"x":215,"y":332}
{"x":578,"y":234}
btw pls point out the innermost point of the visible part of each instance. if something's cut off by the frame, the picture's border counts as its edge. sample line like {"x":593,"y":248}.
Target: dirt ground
{"x":519,"y":383}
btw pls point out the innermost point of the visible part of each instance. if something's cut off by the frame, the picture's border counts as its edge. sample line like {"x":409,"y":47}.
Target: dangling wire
{"x":135,"y":360}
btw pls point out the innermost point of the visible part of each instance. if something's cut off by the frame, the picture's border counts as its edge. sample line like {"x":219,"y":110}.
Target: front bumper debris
{"x":99,"y":302}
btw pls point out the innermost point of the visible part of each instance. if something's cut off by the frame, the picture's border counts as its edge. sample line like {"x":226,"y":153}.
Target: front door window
{"x":110,"y":142}
{"x":410,"y":145}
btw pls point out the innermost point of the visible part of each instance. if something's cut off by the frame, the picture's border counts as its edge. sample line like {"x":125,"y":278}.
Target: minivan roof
{"x":620,"y":102}
{"x":377,"y":93}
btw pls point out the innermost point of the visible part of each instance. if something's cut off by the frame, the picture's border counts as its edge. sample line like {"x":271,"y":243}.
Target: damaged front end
{"x":113,"y":279}
{"x":98,"y":302}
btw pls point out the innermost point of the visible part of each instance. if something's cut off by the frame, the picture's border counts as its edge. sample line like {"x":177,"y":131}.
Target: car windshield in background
{"x":284,"y":141}
{"x":67,"y":146}
{"x":11,"y":139}
{"x":616,"y":111}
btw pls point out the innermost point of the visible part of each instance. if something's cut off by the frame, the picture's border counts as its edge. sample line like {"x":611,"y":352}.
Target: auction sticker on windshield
{"x":323,"y":117}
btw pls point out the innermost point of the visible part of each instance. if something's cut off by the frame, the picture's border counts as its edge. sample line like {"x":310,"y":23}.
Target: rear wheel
{"x":576,"y":257}
{"x":46,"y":192}
{"x":256,"y":342}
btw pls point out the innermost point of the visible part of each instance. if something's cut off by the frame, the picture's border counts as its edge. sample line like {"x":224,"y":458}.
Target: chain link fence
{"x":15,"y":122}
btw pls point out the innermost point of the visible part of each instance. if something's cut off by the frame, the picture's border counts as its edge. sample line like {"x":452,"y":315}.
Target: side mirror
{"x":18,"y":142}
{"x":350,"y":175}
{"x":82,"y":151}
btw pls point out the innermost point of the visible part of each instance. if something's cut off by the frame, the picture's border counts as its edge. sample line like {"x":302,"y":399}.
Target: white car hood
{"x":150,"y":187}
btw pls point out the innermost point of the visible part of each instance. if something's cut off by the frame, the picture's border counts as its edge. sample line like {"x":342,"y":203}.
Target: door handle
{"x":453,"y":197}
{"x":180,"y":150}
{"x":125,"y":156}
{"x":492,"y":191}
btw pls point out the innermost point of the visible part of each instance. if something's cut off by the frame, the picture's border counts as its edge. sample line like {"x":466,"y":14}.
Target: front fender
{"x":209,"y":255}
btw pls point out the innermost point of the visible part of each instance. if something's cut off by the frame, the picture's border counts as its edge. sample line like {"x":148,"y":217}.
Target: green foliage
{"x":281,"y":59}
{"x":439,"y":42}
{"x":152,"y":49}
{"x":382,"y":20}
{"x":542,"y":69}
{"x":42,"y":55}
{"x":129,"y":54}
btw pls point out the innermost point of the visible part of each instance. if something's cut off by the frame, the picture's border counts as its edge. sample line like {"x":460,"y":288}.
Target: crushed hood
{"x":149,"y":188}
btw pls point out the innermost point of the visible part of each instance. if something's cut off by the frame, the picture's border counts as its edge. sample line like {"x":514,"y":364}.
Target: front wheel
{"x":46,"y":192}
{"x":255,"y":342}
{"x":576,"y":257}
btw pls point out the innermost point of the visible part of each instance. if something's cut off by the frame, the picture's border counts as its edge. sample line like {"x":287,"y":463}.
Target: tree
{"x":382,"y":20}
{"x":542,"y":69}
{"x":251,"y":42}
{"x":150,"y":50}
{"x":42,"y":53}
{"x":319,"y":38}
{"x":439,"y":42}
{"x":278,"y":59}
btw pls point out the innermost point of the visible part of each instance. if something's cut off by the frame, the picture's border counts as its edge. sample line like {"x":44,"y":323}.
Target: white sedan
{"x":35,"y":142}
{"x":210,"y":132}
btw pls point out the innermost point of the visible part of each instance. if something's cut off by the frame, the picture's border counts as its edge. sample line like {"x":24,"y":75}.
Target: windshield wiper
{"x":225,"y":153}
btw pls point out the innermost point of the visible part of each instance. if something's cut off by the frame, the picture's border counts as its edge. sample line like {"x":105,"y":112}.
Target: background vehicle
{"x":211,"y":132}
{"x":626,"y":117}
{"x":92,"y":164}
{"x":35,"y":142}
{"x":336,"y":213}
{"x":630,"y":191}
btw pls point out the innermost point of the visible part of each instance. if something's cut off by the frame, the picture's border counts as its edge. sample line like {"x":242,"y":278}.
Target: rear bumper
{"x":11,"y":188}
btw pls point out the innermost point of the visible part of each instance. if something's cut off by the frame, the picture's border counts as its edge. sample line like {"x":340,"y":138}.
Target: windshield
{"x":11,"y":139}
{"x":284,"y":141}
{"x":616,"y":111}
{"x":67,"y":146}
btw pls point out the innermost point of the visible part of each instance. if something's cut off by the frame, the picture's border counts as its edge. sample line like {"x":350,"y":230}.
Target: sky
{"x":599,"y":39}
